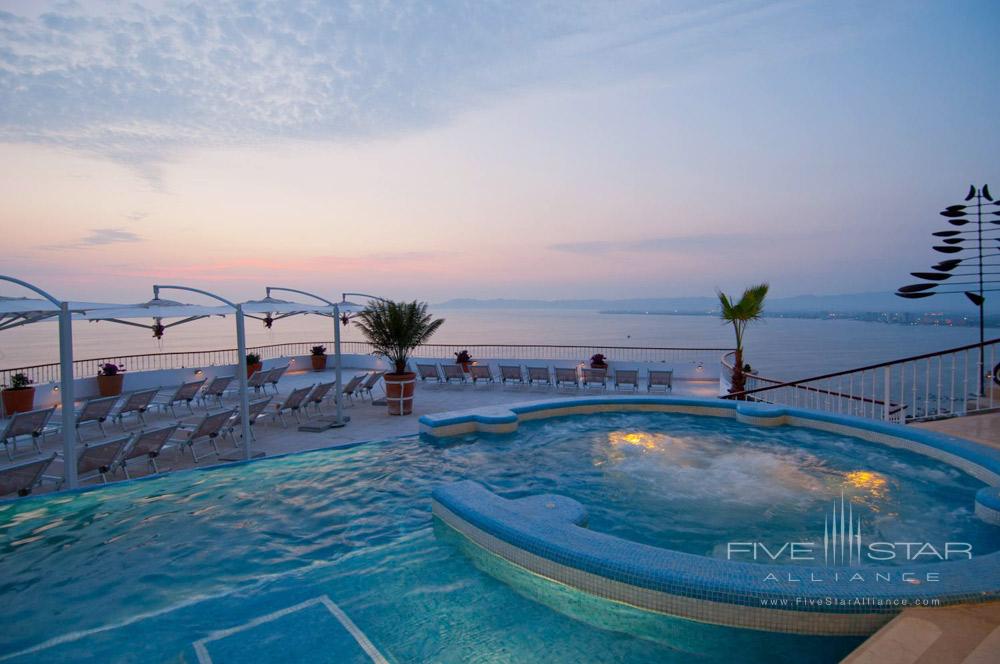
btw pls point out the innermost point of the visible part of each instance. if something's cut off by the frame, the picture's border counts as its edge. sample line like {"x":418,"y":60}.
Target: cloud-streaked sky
{"x":488,"y":149}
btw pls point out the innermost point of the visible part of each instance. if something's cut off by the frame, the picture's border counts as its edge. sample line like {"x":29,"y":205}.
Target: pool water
{"x":141,"y":571}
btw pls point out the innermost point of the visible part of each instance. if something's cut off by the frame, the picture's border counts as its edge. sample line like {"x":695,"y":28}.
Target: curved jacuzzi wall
{"x":545,"y":534}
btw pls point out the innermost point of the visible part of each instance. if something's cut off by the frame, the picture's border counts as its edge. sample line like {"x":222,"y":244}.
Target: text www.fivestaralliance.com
{"x":785,"y":602}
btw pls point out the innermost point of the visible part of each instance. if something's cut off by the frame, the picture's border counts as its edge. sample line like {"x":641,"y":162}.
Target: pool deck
{"x":967,"y":634}
{"x":983,"y":428}
{"x":367,"y":421}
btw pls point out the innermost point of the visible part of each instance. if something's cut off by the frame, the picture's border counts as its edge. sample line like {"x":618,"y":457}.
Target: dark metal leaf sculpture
{"x":954,"y":240}
{"x":955,"y":207}
{"x":975,"y":298}
{"x":914,"y":296}
{"x":933,"y":276}
{"x":953,"y":213}
{"x":986,"y":192}
{"x":947,"y":266}
{"x":958,"y":222}
{"x":946,"y":233}
{"x":947,"y":249}
{"x":915,"y":288}
{"x":972,"y":192}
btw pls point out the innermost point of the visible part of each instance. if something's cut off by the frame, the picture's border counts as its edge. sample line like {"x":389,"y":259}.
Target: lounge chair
{"x":566,"y":377}
{"x":428,"y":372}
{"x":95,"y":460}
{"x":147,"y":444}
{"x":511,"y":373}
{"x":21,"y":478}
{"x":293,"y":403}
{"x":658,"y":379}
{"x":31,"y":423}
{"x":481,"y":374}
{"x":275,"y":375}
{"x":539,"y":375}
{"x":453,"y":372}
{"x":320,"y":394}
{"x":627,"y":378}
{"x":595,"y":378}
{"x":256,"y":411}
{"x":184,"y":394}
{"x":258,"y":380}
{"x":215,"y":389}
{"x":352,"y":386}
{"x":136,"y":403}
{"x":371,"y":382}
{"x":210,"y":427}
{"x":95,"y":411}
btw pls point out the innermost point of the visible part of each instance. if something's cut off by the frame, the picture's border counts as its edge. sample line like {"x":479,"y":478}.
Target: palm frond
{"x":395,"y":328}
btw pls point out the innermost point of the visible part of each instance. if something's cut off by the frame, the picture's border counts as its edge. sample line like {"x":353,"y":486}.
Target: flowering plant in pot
{"x":598,"y":361}
{"x":253,"y":363}
{"x":19,"y":396}
{"x":394,"y":329}
{"x":318,"y":357}
{"x":463,"y":358}
{"x":110,"y":379}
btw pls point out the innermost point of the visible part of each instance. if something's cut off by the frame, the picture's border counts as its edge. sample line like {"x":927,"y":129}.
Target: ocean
{"x":785,"y":348}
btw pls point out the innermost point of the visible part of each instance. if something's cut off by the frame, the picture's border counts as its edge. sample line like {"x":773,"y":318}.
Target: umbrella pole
{"x":338,"y":398}
{"x":241,"y":343}
{"x":66,"y":395}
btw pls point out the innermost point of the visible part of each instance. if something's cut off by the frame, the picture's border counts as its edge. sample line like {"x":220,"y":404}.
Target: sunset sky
{"x":451,"y":149}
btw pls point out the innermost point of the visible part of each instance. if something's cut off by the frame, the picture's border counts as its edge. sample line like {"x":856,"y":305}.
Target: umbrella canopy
{"x":156,"y":308}
{"x":16,"y":311}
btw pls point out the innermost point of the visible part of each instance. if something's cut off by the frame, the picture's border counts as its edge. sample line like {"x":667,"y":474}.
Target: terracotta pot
{"x":319,"y":362}
{"x":18,"y":401}
{"x":252,"y":368}
{"x":598,"y":365}
{"x":110,"y":386}
{"x":399,"y":392}
{"x":465,"y":366}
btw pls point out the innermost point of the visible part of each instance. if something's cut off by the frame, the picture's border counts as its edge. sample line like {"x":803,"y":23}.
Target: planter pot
{"x":319,"y":362}
{"x":465,"y":366}
{"x":251,"y":368}
{"x":110,"y":386}
{"x":595,"y":365}
{"x":399,"y":392}
{"x":18,"y":401}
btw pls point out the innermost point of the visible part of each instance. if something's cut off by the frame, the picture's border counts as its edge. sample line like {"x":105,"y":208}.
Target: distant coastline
{"x":891,"y":318}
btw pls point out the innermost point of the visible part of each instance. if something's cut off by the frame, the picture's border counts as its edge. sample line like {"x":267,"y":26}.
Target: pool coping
{"x":697,"y":587}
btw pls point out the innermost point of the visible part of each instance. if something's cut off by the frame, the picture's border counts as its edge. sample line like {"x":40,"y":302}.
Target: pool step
{"x":964,"y":634}
{"x":314,"y":630}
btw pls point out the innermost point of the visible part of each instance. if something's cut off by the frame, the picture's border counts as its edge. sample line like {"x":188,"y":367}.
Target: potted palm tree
{"x":110,"y":379}
{"x":394,"y":329}
{"x":740,"y":314}
{"x":19,"y":396}
{"x":253,"y":363}
{"x":318,"y":358}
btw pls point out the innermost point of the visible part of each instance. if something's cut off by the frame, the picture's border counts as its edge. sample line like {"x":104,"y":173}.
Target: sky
{"x":434,"y":150}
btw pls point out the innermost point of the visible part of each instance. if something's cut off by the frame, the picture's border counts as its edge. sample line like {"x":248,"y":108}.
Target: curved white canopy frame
{"x":17,"y":311}
{"x":270,"y":306}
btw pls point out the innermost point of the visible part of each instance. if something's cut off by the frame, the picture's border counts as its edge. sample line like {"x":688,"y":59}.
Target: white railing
{"x":675,"y":357}
{"x":948,"y":383}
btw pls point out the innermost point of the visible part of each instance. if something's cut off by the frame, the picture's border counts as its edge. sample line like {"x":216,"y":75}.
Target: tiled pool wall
{"x":544,"y":534}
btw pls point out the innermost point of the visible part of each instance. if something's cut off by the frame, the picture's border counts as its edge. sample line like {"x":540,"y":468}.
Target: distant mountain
{"x":847,"y":302}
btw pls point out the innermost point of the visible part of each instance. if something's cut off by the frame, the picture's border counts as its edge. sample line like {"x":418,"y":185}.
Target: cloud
{"x":137,"y":84}
{"x":99,"y":237}
{"x":665,"y":244}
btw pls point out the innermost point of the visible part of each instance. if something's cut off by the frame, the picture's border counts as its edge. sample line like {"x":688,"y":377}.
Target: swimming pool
{"x":260,"y":557}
